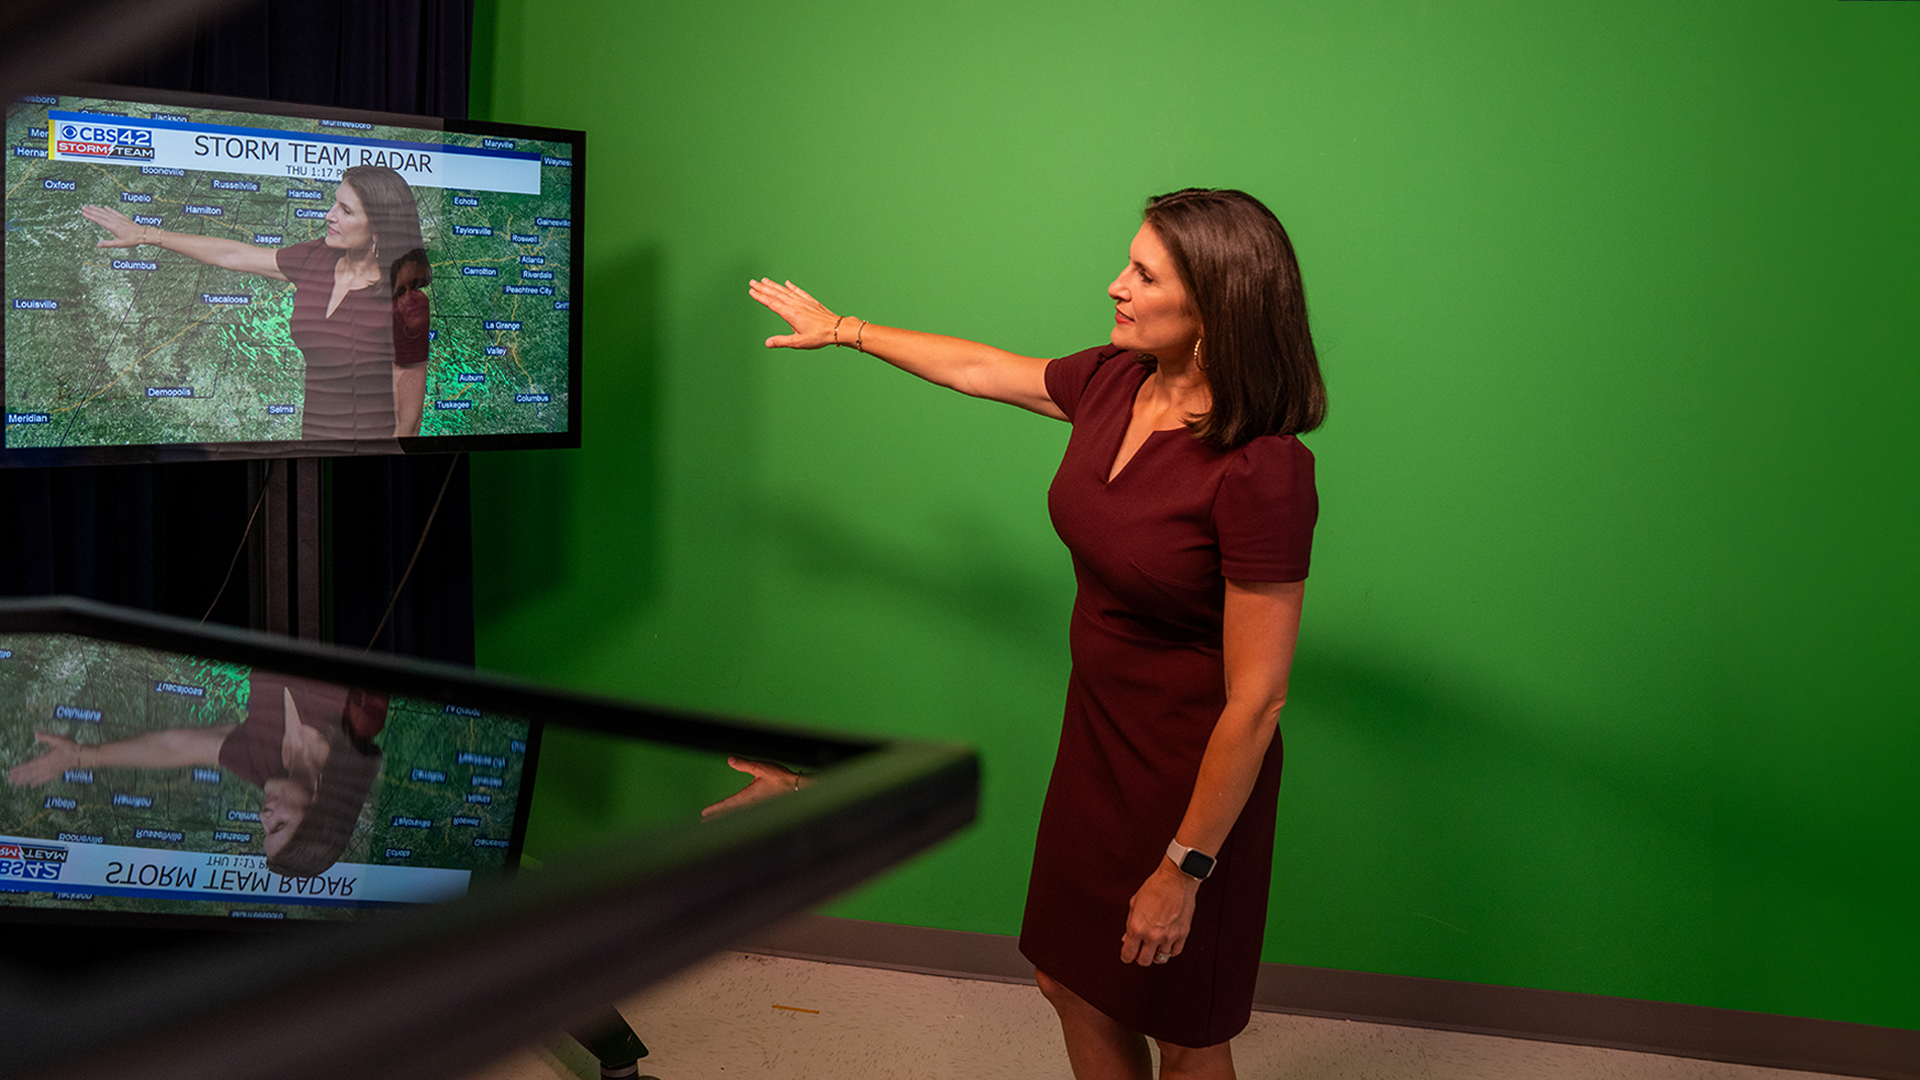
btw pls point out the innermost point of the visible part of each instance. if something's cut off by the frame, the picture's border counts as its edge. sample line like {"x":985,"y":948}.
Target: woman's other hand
{"x":768,"y":780}
{"x":813,"y":325}
{"x":1159,"y":916}
{"x":62,"y":754}
{"x":126,"y":232}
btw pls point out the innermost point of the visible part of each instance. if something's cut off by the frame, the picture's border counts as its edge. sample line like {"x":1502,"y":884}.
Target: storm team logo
{"x":32,"y":862}
{"x":102,"y":141}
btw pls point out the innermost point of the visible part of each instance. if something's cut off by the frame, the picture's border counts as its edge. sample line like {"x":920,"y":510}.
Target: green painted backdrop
{"x":1608,"y":677}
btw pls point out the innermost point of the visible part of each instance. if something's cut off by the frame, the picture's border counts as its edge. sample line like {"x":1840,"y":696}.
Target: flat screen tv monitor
{"x":190,"y":277}
{"x":151,"y":787}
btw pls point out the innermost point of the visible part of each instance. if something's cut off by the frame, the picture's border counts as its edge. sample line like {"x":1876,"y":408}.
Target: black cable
{"x":417,"y":548}
{"x":266,"y":484}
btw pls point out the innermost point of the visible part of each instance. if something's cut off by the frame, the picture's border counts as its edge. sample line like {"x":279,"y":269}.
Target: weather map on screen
{"x":119,"y":331}
{"x":138,"y":780}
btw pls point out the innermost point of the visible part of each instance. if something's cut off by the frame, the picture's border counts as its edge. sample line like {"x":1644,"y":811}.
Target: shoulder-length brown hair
{"x":1239,"y":267}
{"x":393,"y":215}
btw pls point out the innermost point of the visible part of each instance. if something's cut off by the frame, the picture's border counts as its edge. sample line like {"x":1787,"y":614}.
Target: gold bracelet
{"x":858,"y":335}
{"x":836,"y":328}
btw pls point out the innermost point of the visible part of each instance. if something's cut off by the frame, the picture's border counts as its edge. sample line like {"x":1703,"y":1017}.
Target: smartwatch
{"x":1195,"y":864}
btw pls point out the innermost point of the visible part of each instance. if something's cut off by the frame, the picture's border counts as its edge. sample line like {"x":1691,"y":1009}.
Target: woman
{"x":410,"y":317}
{"x":306,"y":745}
{"x":343,"y":314}
{"x":1188,"y":506}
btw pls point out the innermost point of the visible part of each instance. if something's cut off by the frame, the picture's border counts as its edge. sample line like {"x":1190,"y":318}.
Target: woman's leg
{"x":1098,"y":1046}
{"x":1196,"y":1062}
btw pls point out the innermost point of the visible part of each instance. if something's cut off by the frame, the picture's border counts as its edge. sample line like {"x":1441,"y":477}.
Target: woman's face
{"x":347,"y":226}
{"x":282,"y":807}
{"x":1152,"y":312}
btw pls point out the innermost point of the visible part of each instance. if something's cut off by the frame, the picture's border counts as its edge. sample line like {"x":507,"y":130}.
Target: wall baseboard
{"x":1742,"y":1038}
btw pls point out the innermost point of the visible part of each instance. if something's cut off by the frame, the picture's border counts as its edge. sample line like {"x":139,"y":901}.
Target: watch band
{"x":1195,"y":864}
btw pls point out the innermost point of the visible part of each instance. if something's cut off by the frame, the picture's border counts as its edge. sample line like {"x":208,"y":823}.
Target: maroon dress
{"x":1151,"y":554}
{"x":349,"y":354}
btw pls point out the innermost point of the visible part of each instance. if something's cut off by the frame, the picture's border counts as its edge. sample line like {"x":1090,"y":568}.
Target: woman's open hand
{"x":62,"y":754}
{"x":813,"y":325}
{"x":1159,"y":917}
{"x":126,"y":232}
{"x":768,"y":780}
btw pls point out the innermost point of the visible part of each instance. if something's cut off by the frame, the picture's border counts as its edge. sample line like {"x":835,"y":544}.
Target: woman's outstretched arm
{"x":956,"y":363}
{"x":154,"y":750}
{"x":212,"y":250}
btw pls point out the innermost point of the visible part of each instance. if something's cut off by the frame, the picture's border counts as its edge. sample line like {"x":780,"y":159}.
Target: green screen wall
{"x":1611,"y":654}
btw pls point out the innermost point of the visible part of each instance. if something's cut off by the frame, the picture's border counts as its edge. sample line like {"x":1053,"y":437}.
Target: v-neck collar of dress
{"x":1111,"y":477}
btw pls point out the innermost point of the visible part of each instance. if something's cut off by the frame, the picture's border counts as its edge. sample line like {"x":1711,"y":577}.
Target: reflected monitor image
{"x":191,"y":277}
{"x":150,"y":783}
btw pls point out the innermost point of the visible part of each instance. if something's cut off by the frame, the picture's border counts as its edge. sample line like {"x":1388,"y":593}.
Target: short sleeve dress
{"x":252,"y":751}
{"x":1152,"y":550}
{"x":349,"y":354}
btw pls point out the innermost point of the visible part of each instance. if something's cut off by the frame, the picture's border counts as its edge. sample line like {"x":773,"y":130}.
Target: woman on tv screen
{"x":348,"y":300}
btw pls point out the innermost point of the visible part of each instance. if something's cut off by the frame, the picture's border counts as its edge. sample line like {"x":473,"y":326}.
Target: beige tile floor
{"x":748,"y":1016}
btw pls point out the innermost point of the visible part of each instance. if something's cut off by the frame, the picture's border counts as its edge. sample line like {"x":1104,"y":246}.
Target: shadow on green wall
{"x":1509,"y":842}
{"x":547,"y":511}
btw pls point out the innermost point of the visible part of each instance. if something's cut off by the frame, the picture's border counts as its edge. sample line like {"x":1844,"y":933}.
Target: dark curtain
{"x":160,"y":537}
